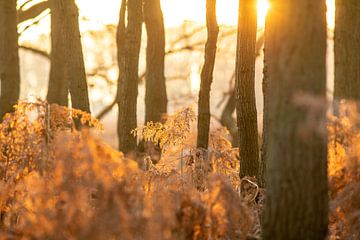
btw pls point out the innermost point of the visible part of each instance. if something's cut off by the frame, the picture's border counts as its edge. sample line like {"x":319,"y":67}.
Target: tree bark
{"x":245,"y":89}
{"x":120,"y":44}
{"x":155,"y":95}
{"x":266,"y":123}
{"x":67,"y":12}
{"x":347,"y":48}
{"x":296,"y":151}
{"x":227,"y":119}
{"x":207,"y":75}
{"x":129,"y":88}
{"x":58,"y":88}
{"x":9,"y":57}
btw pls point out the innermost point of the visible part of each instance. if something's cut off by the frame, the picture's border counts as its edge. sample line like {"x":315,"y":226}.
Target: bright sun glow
{"x":330,"y":14}
{"x":175,"y":11}
{"x":227,"y":11}
{"x":263,"y":7}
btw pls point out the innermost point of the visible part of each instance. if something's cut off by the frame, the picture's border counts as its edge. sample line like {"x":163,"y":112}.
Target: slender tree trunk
{"x":227,"y":119}
{"x":155,"y":95}
{"x":347,"y":50}
{"x":67,"y":11}
{"x":265,"y":131}
{"x":129,"y":87}
{"x":120,"y":43}
{"x":9,"y":57}
{"x":296,"y":151}
{"x":58,"y":89}
{"x":245,"y":89}
{"x":207,"y":75}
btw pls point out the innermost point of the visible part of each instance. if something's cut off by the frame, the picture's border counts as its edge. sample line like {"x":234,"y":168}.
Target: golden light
{"x":175,"y":12}
{"x":330,"y":14}
{"x":195,"y":78}
{"x":263,"y":8}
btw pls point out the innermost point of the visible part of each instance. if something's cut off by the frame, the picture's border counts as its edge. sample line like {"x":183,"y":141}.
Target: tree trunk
{"x":74,"y":60}
{"x":9,"y":57}
{"x":120,"y":43}
{"x":266,"y":123}
{"x":129,"y":88}
{"x":245,"y":89}
{"x":347,"y":49}
{"x":155,"y":95}
{"x":207,"y":75}
{"x":296,"y":151}
{"x":58,"y":89}
{"x":227,"y":119}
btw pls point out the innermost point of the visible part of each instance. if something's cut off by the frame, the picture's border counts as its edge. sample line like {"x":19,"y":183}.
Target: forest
{"x":180,"y":119}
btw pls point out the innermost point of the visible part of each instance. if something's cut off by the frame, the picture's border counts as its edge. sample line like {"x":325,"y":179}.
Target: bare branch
{"x":36,"y":51}
{"x":106,"y":109}
{"x":34,"y":23}
{"x":32,"y":12}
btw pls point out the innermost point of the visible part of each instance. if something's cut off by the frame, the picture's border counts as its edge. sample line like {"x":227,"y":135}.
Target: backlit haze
{"x":184,"y":67}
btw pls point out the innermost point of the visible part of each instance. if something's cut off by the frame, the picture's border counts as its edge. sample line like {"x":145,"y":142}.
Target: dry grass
{"x":60,"y":183}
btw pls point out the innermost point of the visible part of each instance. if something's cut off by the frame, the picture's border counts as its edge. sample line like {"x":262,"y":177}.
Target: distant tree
{"x":347,"y":49}
{"x":155,"y":93}
{"x":245,"y":89}
{"x":296,"y":151}
{"x":58,"y":89}
{"x":227,"y":119}
{"x":120,"y":44}
{"x":74,"y":70}
{"x":128,"y":92}
{"x":9,"y":57}
{"x":207,"y":75}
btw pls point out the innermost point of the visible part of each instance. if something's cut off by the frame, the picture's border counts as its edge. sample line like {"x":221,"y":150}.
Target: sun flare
{"x":175,"y":12}
{"x":227,"y":11}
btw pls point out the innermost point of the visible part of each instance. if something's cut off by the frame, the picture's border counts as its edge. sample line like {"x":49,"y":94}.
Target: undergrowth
{"x":57,"y":182}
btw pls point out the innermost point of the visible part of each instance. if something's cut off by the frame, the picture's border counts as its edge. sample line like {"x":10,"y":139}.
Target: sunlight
{"x":176,"y":12}
{"x":195,"y":78}
{"x":330,"y":14}
{"x":263,"y":8}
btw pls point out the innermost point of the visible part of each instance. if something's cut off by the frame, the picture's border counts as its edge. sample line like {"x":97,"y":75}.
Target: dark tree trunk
{"x":120,"y":43}
{"x":67,"y":11}
{"x":296,"y":150}
{"x":266,"y":122}
{"x":245,"y":89}
{"x":129,"y":86}
{"x":9,"y":57}
{"x":227,"y":119}
{"x":58,"y":89}
{"x":155,"y":95}
{"x":347,"y":50}
{"x":207,"y":75}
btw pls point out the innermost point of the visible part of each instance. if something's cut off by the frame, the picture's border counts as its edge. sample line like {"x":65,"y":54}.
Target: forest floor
{"x":60,"y":183}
